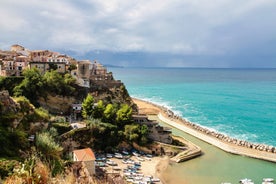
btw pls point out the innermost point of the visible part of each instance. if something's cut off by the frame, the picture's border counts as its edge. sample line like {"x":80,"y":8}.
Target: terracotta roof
{"x":84,"y":154}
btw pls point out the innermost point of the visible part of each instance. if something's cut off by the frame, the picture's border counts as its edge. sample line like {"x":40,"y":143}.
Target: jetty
{"x":221,"y":141}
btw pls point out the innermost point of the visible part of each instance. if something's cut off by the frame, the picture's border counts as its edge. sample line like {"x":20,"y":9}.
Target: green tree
{"x":59,"y":83}
{"x":131,"y":132}
{"x":109,"y":113}
{"x":88,"y":106}
{"x":144,"y":131}
{"x":69,"y":82}
{"x":68,"y":79}
{"x":54,"y":81}
{"x":136,"y":133}
{"x":32,"y":85}
{"x":9,"y":83}
{"x":99,"y":110}
{"x":72,"y":67}
{"x":124,"y":115}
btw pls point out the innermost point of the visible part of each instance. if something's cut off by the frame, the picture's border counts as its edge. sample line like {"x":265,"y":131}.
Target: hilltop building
{"x":13,"y":62}
{"x":87,"y":73}
{"x":16,"y":48}
{"x":93,"y":73}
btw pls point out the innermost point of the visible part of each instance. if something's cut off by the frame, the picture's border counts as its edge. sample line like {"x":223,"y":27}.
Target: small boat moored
{"x":246,"y":181}
{"x":268,"y":181}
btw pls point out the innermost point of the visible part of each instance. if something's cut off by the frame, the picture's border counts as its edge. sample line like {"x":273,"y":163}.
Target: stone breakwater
{"x":227,"y":139}
{"x":222,"y":141}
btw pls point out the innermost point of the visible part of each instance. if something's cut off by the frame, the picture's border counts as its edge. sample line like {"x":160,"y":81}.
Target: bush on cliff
{"x":35,"y":85}
{"x":32,"y":85}
{"x":88,"y":106}
{"x":8,"y":83}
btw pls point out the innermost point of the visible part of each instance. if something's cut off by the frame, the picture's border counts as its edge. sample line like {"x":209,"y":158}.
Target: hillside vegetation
{"x":35,"y":131}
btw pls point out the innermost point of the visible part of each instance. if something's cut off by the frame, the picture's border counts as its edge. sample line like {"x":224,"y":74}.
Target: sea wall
{"x":220,"y":136}
{"x":262,"y":148}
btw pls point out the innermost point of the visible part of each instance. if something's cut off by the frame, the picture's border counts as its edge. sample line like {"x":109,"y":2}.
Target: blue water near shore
{"x":238,"y":102}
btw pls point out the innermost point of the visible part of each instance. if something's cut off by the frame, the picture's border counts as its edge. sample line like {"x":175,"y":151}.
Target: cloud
{"x":185,"y":27}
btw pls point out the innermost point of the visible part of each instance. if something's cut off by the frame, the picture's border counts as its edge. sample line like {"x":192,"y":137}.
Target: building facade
{"x":156,"y":132}
{"x":87,"y":157}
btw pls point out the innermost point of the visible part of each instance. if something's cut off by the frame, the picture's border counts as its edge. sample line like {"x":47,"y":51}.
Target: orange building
{"x":87,"y":157}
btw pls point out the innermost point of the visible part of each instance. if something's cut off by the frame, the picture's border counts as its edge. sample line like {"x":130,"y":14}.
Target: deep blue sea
{"x":238,"y":102}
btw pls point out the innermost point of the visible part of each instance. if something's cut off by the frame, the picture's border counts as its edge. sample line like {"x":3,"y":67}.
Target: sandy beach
{"x":152,"y":167}
{"x":183,"y":125}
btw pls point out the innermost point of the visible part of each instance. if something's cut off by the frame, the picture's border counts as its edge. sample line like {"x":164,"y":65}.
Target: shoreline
{"x":221,"y":141}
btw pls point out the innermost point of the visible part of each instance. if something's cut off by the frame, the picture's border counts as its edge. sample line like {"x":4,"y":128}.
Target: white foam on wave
{"x":226,"y":130}
{"x":160,"y":102}
{"x":247,"y":136}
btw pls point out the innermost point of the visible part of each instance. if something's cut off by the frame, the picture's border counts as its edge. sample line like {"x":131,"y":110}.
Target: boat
{"x":155,"y":180}
{"x":112,"y":163}
{"x":246,"y":181}
{"x":130,"y":180}
{"x":268,"y":180}
{"x":125,"y":152}
{"x":140,"y":159}
{"x":137,"y":163}
{"x":136,"y":154}
{"x":147,"y":158}
{"x":109,"y":155}
{"x":129,"y":161}
{"x":149,"y":155}
{"x":118,"y":155}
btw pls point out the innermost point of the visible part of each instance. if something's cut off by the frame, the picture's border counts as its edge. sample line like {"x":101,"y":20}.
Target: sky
{"x":159,"y":33}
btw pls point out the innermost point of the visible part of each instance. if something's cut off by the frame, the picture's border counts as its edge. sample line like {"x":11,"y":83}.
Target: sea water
{"x":238,"y":102}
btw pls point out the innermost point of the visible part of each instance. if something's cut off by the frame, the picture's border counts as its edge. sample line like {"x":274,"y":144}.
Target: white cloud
{"x":177,"y":26}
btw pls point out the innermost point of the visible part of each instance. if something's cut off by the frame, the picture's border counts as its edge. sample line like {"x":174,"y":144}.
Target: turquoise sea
{"x":238,"y":102}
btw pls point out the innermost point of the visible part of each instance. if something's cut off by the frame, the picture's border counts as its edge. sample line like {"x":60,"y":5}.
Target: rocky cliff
{"x":7,"y":104}
{"x":57,"y":104}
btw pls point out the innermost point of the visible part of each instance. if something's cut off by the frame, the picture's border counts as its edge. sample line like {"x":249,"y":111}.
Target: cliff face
{"x":7,"y":104}
{"x":62,"y":104}
{"x":9,"y":110}
{"x":57,"y":104}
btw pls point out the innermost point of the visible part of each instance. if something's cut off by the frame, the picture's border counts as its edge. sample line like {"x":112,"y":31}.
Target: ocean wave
{"x":160,"y":102}
{"x":192,"y":114}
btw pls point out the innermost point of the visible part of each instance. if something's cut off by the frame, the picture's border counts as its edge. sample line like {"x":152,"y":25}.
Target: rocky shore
{"x":224,"y":142}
